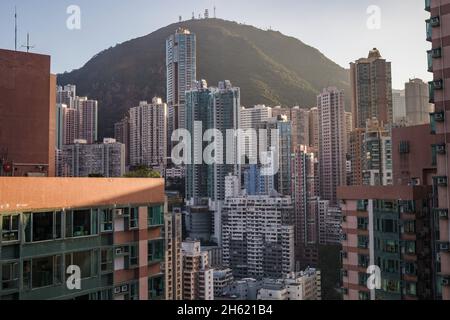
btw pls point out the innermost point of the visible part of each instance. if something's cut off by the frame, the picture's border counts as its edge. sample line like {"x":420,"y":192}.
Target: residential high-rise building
{"x":66,"y":95}
{"x":252,"y":118}
{"x":377,"y":155}
{"x":399,"y":106}
{"x":198,"y":280}
{"x":87,"y":119}
{"x":258,"y":236}
{"x":371,"y":83}
{"x":438,"y":27}
{"x":387,"y":227}
{"x":356,"y":156}
{"x":219,"y":109}
{"x":332,"y":146}
{"x":173,"y":270}
{"x":27,"y":121}
{"x":314,"y":128}
{"x":348,"y":129}
{"x":80,"y":159}
{"x":281,"y":158}
{"x":103,"y":226}
{"x":181,"y":66}
{"x":330,"y":219}
{"x":122,"y":135}
{"x":304,"y":197}
{"x":300,"y":122}
{"x":148,"y":140}
{"x":418,"y":106}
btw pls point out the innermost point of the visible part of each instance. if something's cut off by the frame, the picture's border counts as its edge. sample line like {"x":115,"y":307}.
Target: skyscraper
{"x":212,"y":108}
{"x":304,"y":197}
{"x":122,"y":135}
{"x":399,"y":106}
{"x":332,"y":147}
{"x":314,"y":131}
{"x":87,"y":119}
{"x":252,"y":118}
{"x":148,"y":127}
{"x":371,"y":83}
{"x":181,"y":66}
{"x":418,"y":106}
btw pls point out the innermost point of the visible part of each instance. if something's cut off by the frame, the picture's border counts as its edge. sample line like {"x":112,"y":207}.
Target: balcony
{"x":431,"y":91}
{"x":428,"y":5}
{"x":429,"y":30}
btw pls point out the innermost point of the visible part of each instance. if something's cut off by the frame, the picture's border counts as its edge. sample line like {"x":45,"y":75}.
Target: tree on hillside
{"x":142,"y":172}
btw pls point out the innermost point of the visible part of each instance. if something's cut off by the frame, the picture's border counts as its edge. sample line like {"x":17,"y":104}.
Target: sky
{"x":338,"y":28}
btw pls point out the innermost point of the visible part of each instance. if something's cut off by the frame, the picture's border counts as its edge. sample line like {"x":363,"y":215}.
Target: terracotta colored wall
{"x":27,"y":109}
{"x":46,"y":193}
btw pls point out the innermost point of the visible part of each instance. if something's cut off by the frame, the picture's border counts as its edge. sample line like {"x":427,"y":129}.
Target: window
{"x":389,"y":226}
{"x":156,"y":288}
{"x":134,"y":218}
{"x":363,"y":223}
{"x":106,"y":220}
{"x":42,"y":226}
{"x":10,"y":229}
{"x":364,"y":296}
{"x":133,"y":257}
{"x":390,"y":246}
{"x":363,"y":261}
{"x":81,"y":259}
{"x":410,"y":269}
{"x":81,"y":223}
{"x":363,"y":242}
{"x":42,"y":272}
{"x":26,"y":275}
{"x":410,"y":247}
{"x":409,"y":227}
{"x":10,"y":276}
{"x":363,"y":277}
{"x":410,"y":289}
{"x":155,"y":216}
{"x":106,"y":260}
{"x":155,"y":251}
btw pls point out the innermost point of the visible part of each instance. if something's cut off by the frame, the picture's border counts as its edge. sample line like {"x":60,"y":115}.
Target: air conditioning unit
{"x":435,"y":21}
{"x":443,"y":213}
{"x":440,"y":148}
{"x":117,"y":290}
{"x":124,"y":288}
{"x":441,"y":181}
{"x":120,"y":251}
{"x":444,"y":247}
{"x":446,"y":282}
{"x":438,"y":85}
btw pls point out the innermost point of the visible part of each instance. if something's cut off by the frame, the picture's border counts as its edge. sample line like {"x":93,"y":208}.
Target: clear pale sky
{"x":338,"y":28}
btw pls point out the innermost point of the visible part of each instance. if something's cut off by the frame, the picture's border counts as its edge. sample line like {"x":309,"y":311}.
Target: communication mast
{"x":28,"y":46}
{"x":15,"y":28}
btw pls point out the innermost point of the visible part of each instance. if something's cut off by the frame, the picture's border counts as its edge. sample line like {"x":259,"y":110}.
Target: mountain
{"x":269,"y":67}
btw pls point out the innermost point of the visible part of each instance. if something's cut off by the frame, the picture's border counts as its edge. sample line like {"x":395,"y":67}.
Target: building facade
{"x":418,"y":106}
{"x":102,"y":227}
{"x":29,"y":151}
{"x":80,"y":159}
{"x":371,"y":83}
{"x":258,"y":236}
{"x":148,"y":139}
{"x":332,"y":146}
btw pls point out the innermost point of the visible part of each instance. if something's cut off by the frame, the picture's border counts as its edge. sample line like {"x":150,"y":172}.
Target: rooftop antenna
{"x":193,"y":15}
{"x":15,"y":28}
{"x":180,"y":18}
{"x":215,"y":12}
{"x":28,"y":46}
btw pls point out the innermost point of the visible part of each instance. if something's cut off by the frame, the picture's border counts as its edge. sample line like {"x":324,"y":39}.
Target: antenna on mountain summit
{"x":215,"y":12}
